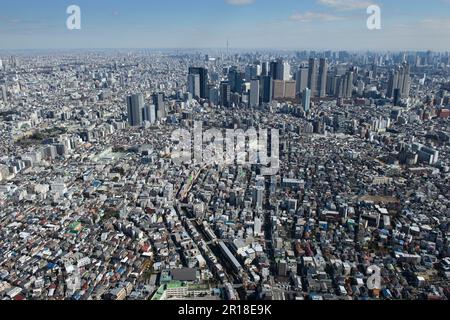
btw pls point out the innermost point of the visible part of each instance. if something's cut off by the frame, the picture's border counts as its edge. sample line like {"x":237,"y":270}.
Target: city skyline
{"x":262,"y":24}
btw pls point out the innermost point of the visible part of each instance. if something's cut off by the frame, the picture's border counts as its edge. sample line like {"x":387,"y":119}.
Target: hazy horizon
{"x":247,"y":24}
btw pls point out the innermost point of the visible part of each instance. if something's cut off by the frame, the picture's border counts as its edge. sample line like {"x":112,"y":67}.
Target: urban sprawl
{"x":93,"y":205}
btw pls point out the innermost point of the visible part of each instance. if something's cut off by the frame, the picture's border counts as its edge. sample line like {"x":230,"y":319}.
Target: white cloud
{"x":239,"y":2}
{"x":313,"y":16}
{"x":345,"y":5}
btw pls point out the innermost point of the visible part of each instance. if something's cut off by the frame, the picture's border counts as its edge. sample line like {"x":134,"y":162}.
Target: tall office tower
{"x":265,"y":69}
{"x":135,"y":105}
{"x":344,"y":85}
{"x":235,"y":80}
{"x":301,"y":79}
{"x":214,"y":96}
{"x":251,"y":72}
{"x":203,"y":73}
{"x":289,"y":89}
{"x":283,"y":70}
{"x":313,"y":75}
{"x":278,"y":89}
{"x":273,"y":70}
{"x":225,"y":94}
{"x":330,"y":83}
{"x":1,"y":64}
{"x":393,"y":83}
{"x":158,"y":101}
{"x":149,"y":113}
{"x":194,"y":85}
{"x":400,"y":78}
{"x":406,"y":85}
{"x":254,"y":93}
{"x":341,"y":84}
{"x":306,"y":99}
{"x":349,"y":87}
{"x":323,"y":72}
{"x":334,"y":85}
{"x":267,"y":88}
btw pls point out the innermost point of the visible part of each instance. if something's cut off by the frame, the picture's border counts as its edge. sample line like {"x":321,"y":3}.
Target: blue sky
{"x":282,"y":24}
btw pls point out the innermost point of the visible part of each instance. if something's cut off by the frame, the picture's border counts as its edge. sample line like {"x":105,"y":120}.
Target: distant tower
{"x":306,"y":99}
{"x":323,"y":72}
{"x":225,"y":94}
{"x":301,"y":79}
{"x":312,"y":76}
{"x":254,"y":93}
{"x":283,"y":70}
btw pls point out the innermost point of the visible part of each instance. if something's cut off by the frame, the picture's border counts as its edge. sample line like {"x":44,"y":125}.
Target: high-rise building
{"x":149,"y":113}
{"x":265,"y":69}
{"x":194,"y":85}
{"x":273,"y":70}
{"x":349,"y":87}
{"x":254,"y":93}
{"x":306,"y":99}
{"x":322,"y":79}
{"x":301,"y":79}
{"x":344,"y":85}
{"x":406,"y":84}
{"x":214,"y":96}
{"x":258,"y":197}
{"x":257,"y":230}
{"x":289,"y":89}
{"x":267,"y":88}
{"x":225,"y":94}
{"x":235,"y":80}
{"x":158,"y":101}
{"x":313,"y":76}
{"x":203,"y":73}
{"x":278,"y":89}
{"x":283,"y":70}
{"x":251,"y":72}
{"x":135,"y":106}
{"x":400,"y":78}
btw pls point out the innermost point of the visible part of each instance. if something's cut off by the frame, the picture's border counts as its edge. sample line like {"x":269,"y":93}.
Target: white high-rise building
{"x":283,"y":70}
{"x":194,"y":85}
{"x":257,"y":227}
{"x":301,"y":79}
{"x":254,"y":93}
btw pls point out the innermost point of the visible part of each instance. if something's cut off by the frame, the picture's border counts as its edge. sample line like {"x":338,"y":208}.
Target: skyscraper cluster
{"x":138,"y":111}
{"x":400,"y":79}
